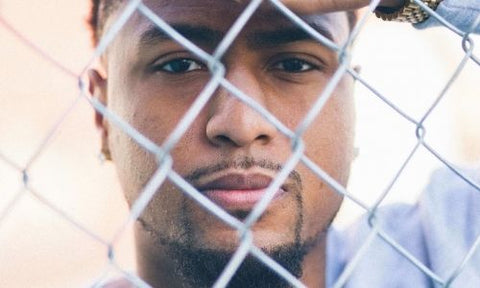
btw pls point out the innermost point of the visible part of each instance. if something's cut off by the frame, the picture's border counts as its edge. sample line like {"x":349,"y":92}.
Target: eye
{"x":180,"y":65}
{"x":294,"y":65}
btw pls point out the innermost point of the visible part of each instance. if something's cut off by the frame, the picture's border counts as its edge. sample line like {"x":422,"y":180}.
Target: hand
{"x":315,"y":6}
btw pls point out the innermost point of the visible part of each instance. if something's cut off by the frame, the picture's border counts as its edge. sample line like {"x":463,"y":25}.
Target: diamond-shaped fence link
{"x":219,"y":80}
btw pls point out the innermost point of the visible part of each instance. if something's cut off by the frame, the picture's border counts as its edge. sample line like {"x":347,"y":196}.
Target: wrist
{"x":408,"y":12}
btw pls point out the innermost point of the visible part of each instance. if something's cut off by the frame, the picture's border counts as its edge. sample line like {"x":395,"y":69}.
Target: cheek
{"x":320,"y":205}
{"x":329,"y":144}
{"x":330,"y":138}
{"x":142,"y":112}
{"x":155,"y":117}
{"x":134,"y":165}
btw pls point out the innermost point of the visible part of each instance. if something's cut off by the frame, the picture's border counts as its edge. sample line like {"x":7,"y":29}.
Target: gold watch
{"x":410,"y":12}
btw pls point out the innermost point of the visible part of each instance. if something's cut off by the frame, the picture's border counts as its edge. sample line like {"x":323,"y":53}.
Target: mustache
{"x":241,"y":164}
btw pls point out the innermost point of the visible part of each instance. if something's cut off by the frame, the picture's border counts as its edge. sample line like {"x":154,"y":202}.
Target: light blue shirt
{"x":439,"y":231}
{"x":461,"y":13}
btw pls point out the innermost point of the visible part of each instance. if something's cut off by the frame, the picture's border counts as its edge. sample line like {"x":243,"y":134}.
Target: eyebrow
{"x":287,"y":35}
{"x":203,"y":35}
{"x":197,"y":34}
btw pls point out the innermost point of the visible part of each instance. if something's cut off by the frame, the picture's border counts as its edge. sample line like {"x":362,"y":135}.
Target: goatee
{"x":200,"y":268}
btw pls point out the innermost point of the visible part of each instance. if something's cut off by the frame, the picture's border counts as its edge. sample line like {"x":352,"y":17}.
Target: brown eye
{"x":181,"y":65}
{"x":294,"y":65}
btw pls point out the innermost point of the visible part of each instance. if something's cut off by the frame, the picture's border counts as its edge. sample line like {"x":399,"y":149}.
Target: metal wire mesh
{"x":218,"y":80}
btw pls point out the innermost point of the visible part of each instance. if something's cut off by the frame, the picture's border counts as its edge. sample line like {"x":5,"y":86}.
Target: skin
{"x":142,"y":84}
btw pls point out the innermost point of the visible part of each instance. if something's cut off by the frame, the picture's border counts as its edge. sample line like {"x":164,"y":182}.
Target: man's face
{"x":230,"y":152}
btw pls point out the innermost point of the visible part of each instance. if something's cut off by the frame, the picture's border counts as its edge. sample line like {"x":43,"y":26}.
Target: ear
{"x":98,"y":90}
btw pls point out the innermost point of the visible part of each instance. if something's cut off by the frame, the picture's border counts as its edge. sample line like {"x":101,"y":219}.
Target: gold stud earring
{"x":105,"y":155}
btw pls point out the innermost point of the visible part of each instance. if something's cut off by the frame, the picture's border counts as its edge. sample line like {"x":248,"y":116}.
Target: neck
{"x":153,"y":263}
{"x":158,"y":267}
{"x":314,"y":265}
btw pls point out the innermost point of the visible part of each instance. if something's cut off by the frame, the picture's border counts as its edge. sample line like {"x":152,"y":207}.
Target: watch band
{"x":410,"y":12}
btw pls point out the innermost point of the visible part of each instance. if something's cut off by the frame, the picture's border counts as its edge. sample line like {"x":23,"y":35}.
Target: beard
{"x":200,"y":268}
{"x":196,"y":265}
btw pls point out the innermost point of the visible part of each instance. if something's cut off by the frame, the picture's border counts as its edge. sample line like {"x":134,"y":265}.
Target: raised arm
{"x":312,"y":6}
{"x":460,"y":13}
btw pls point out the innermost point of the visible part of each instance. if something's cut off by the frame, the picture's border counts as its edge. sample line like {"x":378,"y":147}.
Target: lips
{"x":237,"y":191}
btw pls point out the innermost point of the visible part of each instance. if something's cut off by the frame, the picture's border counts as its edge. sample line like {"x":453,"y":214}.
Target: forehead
{"x":219,"y":15}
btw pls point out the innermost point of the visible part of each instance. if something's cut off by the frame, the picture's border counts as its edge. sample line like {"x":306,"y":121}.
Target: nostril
{"x":222,"y":139}
{"x":263,"y":138}
{"x":234,"y":124}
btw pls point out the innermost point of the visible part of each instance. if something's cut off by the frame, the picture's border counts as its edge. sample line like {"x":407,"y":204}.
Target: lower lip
{"x":238,"y":199}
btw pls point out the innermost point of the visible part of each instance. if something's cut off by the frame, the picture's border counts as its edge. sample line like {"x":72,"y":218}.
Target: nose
{"x":233,"y":123}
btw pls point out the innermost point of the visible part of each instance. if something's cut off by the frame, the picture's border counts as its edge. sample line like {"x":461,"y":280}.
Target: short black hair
{"x":102,"y":9}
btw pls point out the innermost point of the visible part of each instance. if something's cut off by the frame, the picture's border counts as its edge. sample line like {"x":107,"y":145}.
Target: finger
{"x":323,"y":6}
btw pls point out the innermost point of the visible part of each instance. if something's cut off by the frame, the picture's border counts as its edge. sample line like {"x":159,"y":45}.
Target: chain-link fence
{"x":219,"y":79}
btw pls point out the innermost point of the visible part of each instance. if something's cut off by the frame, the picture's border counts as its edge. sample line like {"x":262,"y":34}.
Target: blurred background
{"x":38,"y":248}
